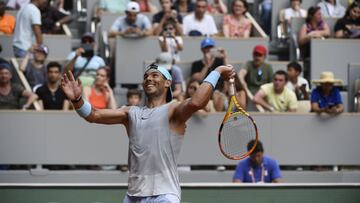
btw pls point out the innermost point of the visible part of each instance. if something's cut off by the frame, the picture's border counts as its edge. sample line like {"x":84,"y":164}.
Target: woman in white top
{"x":331,"y":8}
{"x":294,"y":10}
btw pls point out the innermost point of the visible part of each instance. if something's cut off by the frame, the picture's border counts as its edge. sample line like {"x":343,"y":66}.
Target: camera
{"x":88,"y":51}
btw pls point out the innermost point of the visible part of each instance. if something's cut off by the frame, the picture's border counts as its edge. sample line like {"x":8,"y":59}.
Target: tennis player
{"x":156,"y":131}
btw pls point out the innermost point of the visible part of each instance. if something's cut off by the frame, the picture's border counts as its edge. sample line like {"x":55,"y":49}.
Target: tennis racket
{"x":237,"y":130}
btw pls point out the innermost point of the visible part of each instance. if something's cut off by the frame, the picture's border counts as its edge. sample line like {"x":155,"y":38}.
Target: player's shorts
{"x":166,"y":198}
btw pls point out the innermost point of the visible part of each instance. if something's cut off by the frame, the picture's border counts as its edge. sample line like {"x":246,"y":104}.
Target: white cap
{"x":133,"y":7}
{"x":165,"y":60}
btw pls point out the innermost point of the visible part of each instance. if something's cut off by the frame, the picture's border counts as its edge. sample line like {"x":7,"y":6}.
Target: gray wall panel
{"x":328,"y":55}
{"x":63,"y":138}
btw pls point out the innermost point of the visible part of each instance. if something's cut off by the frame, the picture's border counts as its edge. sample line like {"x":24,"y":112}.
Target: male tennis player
{"x":155,"y":131}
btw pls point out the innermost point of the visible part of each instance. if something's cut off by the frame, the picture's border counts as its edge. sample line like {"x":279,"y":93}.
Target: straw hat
{"x":328,"y":77}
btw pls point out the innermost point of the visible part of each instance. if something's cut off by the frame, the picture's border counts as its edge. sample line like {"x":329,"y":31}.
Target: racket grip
{"x":232,"y":87}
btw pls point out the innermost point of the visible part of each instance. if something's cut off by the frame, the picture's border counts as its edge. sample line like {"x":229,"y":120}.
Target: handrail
{"x":256,"y":25}
{"x":24,"y":82}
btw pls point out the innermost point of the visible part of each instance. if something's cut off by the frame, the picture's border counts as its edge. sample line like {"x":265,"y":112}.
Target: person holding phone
{"x":169,"y":41}
{"x":296,"y":82}
{"x":83,"y":62}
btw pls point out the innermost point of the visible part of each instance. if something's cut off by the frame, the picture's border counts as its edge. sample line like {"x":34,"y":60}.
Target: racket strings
{"x":237,"y":131}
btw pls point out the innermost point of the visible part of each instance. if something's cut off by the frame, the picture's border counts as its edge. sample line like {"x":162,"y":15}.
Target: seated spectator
{"x":7,"y":22}
{"x":265,"y":16}
{"x":257,"y":168}
{"x":217,"y":7}
{"x":17,"y":4}
{"x":191,"y":88}
{"x":166,"y":15}
{"x":133,"y":97}
{"x":28,"y":28}
{"x":34,"y":66}
{"x":221,"y":96}
{"x":133,"y":24}
{"x":276,"y":96}
{"x":170,"y":42}
{"x":112,"y":6}
{"x":314,"y":27}
{"x":11,"y":93}
{"x":297,"y":83}
{"x":100,"y":95}
{"x":294,"y":10}
{"x":349,"y":25}
{"x":52,"y":20}
{"x":326,"y":98}
{"x":146,"y":6}
{"x":199,"y":23}
{"x":212,"y":58}
{"x":256,"y":72}
{"x":236,"y":24}
{"x":331,"y":8}
{"x":165,"y":60}
{"x":50,"y":94}
{"x":184,"y":6}
{"x":83,"y":61}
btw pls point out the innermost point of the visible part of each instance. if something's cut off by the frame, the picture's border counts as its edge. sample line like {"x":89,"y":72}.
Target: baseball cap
{"x":167,"y":76}
{"x":260,"y":49}
{"x":207,"y":42}
{"x":133,"y":7}
{"x":5,"y":65}
{"x":87,"y":35}
{"x":165,"y":60}
{"x":42,"y":48}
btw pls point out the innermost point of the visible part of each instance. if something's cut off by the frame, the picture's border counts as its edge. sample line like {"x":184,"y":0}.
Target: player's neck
{"x":155,"y":102}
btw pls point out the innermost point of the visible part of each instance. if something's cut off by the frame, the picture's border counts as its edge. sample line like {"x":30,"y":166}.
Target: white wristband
{"x":85,"y":110}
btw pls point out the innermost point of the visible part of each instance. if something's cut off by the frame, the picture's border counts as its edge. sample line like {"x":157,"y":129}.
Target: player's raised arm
{"x":199,"y":100}
{"x":73,"y":91}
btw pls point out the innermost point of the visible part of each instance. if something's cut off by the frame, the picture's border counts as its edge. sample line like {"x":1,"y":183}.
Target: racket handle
{"x":232,"y":87}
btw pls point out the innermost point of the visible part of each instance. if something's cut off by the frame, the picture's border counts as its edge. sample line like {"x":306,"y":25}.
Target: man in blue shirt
{"x":326,"y":97}
{"x":257,"y":168}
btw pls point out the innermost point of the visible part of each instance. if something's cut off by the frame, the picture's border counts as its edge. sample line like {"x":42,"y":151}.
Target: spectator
{"x":331,"y":8}
{"x":276,"y":96}
{"x":297,"y":83}
{"x":35,"y":69}
{"x":169,"y":42}
{"x":199,"y":22}
{"x":100,"y":94}
{"x":256,"y":72}
{"x":7,"y":22}
{"x":314,"y":27}
{"x":52,"y":20}
{"x":192,"y":86}
{"x":17,"y":4}
{"x":217,"y":7}
{"x":10,"y":94}
{"x":221,"y":97}
{"x":27,"y":28}
{"x":50,"y":94}
{"x":167,"y":15}
{"x":133,"y":97}
{"x":133,"y":24}
{"x":265,"y":16}
{"x":326,"y":98}
{"x":165,"y":60}
{"x":212,"y":58}
{"x":236,"y":24}
{"x":257,"y":168}
{"x":83,"y":61}
{"x":146,"y":6}
{"x":349,"y":25}
{"x":112,"y":6}
{"x":294,"y":10}
{"x":184,"y":6}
